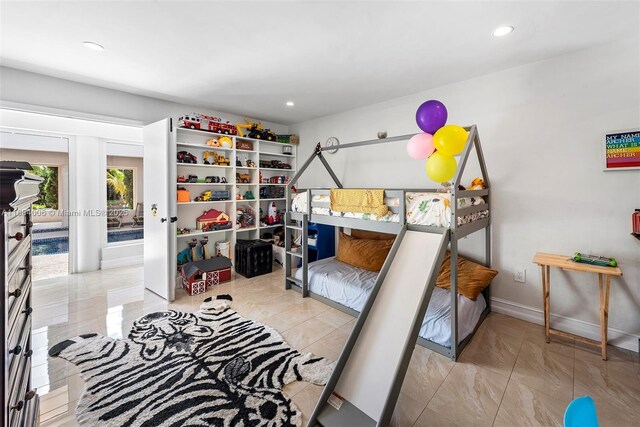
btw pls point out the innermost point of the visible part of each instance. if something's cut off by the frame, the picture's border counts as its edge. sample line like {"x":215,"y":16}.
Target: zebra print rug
{"x":212,"y":367}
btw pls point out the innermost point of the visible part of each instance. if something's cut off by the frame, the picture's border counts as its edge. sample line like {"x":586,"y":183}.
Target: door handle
{"x":174,"y":218}
{"x":163,"y":219}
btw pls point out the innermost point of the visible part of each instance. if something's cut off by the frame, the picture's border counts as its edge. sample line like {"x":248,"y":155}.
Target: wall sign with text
{"x":622,"y":150}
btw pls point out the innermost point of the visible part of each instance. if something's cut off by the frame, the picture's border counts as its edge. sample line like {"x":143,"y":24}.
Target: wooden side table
{"x":564,"y":262}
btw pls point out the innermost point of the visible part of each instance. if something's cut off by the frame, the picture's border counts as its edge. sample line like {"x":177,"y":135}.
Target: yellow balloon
{"x":450,"y":139}
{"x":440,"y":167}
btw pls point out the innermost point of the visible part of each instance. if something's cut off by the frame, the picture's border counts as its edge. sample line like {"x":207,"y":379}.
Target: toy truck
{"x":208,"y":123}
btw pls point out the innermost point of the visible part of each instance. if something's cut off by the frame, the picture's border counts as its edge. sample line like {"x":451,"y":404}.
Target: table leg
{"x":604,"y":286}
{"x":545,"y":300}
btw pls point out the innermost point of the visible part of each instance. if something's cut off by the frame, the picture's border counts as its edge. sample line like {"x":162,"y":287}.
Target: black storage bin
{"x":253,"y":257}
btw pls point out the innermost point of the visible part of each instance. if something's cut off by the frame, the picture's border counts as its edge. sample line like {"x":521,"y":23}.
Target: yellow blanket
{"x":359,"y":201}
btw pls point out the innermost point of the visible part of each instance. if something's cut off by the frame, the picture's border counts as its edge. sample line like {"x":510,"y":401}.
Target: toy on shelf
{"x":212,"y":216}
{"x":186,"y":157}
{"x":277,"y":179}
{"x":270,"y":192}
{"x":216,"y":226}
{"x":244,"y":145}
{"x":238,"y":162}
{"x":245,"y":217}
{"x":274,"y":164}
{"x":184,"y":230}
{"x":218,"y":160}
{"x":183,"y":195}
{"x":203,"y":251}
{"x":192,"y":179}
{"x":215,"y":180}
{"x":595,"y":260}
{"x":221,"y":195}
{"x":208,"y":123}
{"x":222,"y":142}
{"x":243,"y":178}
{"x":197,"y":276}
{"x":250,"y":163}
{"x":204,"y":197}
{"x":256,"y":131}
{"x":288,"y":139}
{"x":181,"y":178}
{"x":248,"y":195}
{"x":189,"y":253}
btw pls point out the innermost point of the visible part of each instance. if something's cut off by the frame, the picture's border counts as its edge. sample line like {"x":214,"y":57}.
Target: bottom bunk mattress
{"x":350,"y":286}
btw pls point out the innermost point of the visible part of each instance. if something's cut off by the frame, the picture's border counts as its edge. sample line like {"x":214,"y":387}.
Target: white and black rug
{"x":212,"y":367}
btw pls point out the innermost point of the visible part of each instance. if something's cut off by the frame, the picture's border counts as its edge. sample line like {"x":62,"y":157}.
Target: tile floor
{"x":507,"y":376}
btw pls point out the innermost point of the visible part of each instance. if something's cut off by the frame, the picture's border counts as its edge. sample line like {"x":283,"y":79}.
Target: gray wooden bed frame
{"x":456,"y":231}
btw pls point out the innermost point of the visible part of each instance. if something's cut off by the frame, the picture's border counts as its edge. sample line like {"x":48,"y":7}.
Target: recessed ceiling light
{"x":502,"y":31}
{"x":290,"y":104}
{"x":93,"y":46}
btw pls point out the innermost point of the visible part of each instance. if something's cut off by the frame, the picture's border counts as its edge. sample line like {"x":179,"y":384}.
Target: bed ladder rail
{"x":291,"y":257}
{"x":338,"y":405}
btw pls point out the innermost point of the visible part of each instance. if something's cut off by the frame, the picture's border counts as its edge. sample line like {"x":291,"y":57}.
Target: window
{"x":120,"y":191}
{"x":125,"y":212}
{"x":48,"y":188}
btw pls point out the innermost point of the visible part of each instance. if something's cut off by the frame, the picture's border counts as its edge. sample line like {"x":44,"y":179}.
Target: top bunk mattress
{"x":350,"y":286}
{"x":430,"y":209}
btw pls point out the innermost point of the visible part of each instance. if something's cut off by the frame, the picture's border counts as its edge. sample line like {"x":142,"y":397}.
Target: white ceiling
{"x":249,"y":58}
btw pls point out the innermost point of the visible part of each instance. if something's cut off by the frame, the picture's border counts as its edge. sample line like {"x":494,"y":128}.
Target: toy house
{"x":212,"y":216}
{"x":198,"y":276}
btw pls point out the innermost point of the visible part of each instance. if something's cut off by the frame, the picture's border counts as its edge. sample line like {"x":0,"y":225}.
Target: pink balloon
{"x":420,"y":146}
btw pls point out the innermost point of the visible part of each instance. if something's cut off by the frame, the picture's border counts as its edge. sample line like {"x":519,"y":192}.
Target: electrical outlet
{"x":520,"y":275}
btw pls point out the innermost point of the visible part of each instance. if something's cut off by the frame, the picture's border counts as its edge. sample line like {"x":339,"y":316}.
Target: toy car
{"x":220,"y":195}
{"x":212,"y":179}
{"x":192,"y":178}
{"x":204,"y":197}
{"x":595,"y":260}
{"x":181,"y":178}
{"x":186,"y":157}
{"x":244,"y":178}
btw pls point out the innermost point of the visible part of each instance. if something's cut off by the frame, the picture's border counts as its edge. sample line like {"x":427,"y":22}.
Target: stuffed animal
{"x":478,"y":184}
{"x":213,"y":142}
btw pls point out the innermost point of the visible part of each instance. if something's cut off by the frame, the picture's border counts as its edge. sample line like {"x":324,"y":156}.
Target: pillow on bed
{"x":372,"y":235}
{"x":472,"y":277}
{"x":367,"y":254}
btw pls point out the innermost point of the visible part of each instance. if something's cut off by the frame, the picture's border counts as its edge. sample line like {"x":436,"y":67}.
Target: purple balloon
{"x":431,"y":116}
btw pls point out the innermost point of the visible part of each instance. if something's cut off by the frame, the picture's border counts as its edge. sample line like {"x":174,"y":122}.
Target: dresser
{"x":18,"y":189}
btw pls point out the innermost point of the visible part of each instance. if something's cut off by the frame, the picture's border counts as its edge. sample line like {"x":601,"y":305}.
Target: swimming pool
{"x":60,"y":245}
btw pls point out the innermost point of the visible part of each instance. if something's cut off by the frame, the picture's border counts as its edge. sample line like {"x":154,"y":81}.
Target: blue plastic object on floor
{"x":581,"y":412}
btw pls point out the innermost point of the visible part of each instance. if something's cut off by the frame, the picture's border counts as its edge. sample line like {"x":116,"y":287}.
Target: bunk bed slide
{"x":365,"y":384}
{"x":350,"y":287}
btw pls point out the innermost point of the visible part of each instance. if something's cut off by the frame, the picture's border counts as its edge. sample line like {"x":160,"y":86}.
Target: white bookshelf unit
{"x":195,"y":142}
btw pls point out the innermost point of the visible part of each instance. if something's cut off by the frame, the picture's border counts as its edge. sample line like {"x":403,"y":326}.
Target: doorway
{"x":49,"y":159}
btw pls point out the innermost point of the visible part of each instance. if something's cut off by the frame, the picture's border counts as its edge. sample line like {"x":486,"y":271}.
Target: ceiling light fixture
{"x":502,"y":31}
{"x":290,"y":104}
{"x":93,"y":46}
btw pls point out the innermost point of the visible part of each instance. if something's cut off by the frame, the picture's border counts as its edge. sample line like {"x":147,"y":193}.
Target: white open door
{"x":160,"y":207}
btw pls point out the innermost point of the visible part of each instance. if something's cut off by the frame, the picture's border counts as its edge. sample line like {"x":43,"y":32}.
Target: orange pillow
{"x":472,"y":277}
{"x":367,"y":254}
{"x":371,"y":235}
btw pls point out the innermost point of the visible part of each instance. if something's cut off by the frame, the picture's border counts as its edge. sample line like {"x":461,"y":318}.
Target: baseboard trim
{"x":616,"y":337}
{"x":121,"y":262}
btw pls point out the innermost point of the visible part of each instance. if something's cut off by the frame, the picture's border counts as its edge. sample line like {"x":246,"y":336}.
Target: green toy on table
{"x":595,"y":260}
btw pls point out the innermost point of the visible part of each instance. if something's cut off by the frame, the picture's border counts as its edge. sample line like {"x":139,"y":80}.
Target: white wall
{"x":43,"y":158}
{"x":83,"y":100}
{"x":541,"y":127}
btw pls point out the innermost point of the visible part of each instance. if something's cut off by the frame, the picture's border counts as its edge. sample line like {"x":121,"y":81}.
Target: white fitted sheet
{"x":350,"y":286}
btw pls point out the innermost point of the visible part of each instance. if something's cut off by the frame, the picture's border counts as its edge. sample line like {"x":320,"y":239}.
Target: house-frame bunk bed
{"x":298,"y":221}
